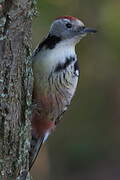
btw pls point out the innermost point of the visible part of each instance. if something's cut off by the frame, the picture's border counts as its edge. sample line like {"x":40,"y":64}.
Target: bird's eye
{"x":68,"y":25}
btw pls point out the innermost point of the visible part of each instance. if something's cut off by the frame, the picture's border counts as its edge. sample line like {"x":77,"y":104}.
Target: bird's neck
{"x":63,"y":50}
{"x":50,"y":59}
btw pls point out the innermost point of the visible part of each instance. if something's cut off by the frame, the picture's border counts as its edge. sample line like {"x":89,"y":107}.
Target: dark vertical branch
{"x":15,"y":86}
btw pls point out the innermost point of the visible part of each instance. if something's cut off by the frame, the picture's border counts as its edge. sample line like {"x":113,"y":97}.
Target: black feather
{"x":36,"y":144}
{"x":62,"y":66}
{"x":49,"y":43}
{"x":76,"y":68}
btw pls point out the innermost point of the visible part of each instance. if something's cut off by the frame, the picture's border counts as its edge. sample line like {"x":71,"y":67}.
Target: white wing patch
{"x":46,"y":136}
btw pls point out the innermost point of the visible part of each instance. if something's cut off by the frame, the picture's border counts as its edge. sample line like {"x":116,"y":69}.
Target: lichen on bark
{"x":15,"y":86}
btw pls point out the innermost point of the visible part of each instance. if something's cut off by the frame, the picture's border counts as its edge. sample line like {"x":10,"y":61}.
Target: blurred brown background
{"x":86,"y":145}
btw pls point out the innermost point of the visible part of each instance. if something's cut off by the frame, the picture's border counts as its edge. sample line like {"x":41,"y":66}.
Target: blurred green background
{"x":86,"y":145}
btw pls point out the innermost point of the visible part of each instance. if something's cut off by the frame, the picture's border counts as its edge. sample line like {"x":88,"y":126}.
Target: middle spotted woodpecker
{"x":55,"y":72}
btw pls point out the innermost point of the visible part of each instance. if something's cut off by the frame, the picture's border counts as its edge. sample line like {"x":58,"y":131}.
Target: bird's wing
{"x":36,"y":144}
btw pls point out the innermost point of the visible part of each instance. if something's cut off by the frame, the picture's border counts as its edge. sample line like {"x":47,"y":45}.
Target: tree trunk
{"x":15,"y":87}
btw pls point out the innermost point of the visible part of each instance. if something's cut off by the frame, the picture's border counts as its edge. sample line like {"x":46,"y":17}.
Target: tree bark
{"x":15,"y":87}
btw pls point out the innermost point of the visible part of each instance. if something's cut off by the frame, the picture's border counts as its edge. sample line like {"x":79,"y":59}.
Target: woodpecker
{"x":56,"y":72}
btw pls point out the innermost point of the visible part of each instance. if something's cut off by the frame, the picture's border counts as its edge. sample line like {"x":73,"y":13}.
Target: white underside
{"x":47,"y":59}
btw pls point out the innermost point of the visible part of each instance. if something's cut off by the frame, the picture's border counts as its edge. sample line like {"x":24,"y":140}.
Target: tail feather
{"x":36,"y":144}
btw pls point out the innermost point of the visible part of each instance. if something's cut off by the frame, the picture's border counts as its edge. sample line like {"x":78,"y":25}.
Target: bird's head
{"x":69,"y":27}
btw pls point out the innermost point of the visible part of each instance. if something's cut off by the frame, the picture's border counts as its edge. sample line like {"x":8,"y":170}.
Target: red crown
{"x":67,"y":17}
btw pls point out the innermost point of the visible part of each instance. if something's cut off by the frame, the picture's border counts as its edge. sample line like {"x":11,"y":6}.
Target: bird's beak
{"x":89,"y":30}
{"x":83,"y":31}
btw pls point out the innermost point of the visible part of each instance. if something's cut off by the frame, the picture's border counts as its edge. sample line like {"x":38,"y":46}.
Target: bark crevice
{"x":15,"y":87}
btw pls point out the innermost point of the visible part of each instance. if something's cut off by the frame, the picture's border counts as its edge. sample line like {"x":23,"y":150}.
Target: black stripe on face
{"x":49,"y":43}
{"x":63,"y":66}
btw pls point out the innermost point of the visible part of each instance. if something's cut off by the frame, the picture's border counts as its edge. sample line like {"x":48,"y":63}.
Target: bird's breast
{"x":47,"y":59}
{"x":55,"y":82}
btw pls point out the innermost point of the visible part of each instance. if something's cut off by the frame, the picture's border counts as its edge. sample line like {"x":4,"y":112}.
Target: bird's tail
{"x":36,"y":144}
